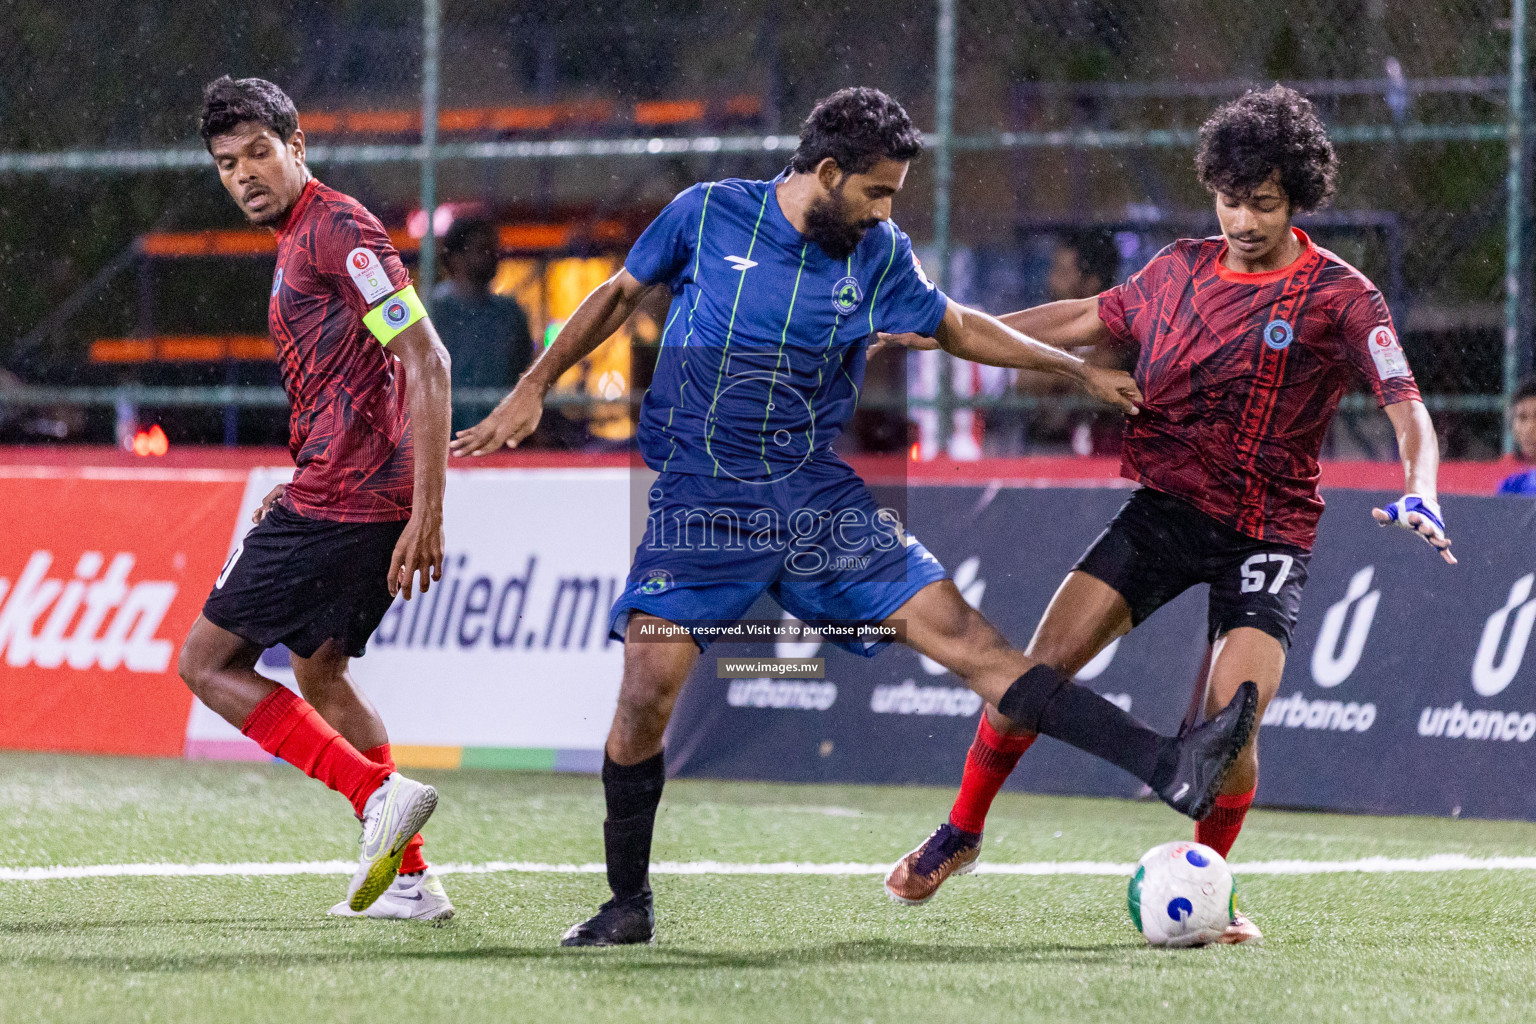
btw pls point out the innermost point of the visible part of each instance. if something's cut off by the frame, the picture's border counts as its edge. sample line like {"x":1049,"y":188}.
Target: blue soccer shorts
{"x":817,"y":541}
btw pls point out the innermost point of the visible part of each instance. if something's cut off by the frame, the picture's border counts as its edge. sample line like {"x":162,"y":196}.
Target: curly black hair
{"x":228,"y":103}
{"x":858,"y":128}
{"x":1247,"y":140}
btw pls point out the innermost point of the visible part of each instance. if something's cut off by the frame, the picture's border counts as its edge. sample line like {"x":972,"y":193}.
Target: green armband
{"x":395,"y":314}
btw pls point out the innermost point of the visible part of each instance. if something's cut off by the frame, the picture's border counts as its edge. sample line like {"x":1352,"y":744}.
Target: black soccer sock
{"x":1043,"y":700}
{"x":632,"y":793}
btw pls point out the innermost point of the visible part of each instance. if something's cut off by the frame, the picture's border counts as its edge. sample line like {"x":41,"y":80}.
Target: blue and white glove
{"x":1422,"y":516}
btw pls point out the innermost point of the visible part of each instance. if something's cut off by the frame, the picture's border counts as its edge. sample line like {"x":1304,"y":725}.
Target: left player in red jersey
{"x":368,"y":383}
{"x":1247,"y":341}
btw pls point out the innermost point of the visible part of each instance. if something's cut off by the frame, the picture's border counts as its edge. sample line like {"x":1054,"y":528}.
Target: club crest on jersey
{"x":277,"y":282}
{"x":368,"y":274}
{"x":1278,"y":334}
{"x":846,"y":296}
{"x":396,"y":313}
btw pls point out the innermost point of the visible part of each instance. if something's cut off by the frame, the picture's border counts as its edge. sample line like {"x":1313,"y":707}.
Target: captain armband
{"x":395,"y":314}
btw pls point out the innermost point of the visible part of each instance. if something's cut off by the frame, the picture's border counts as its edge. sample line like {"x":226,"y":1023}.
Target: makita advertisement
{"x":102,"y":573}
{"x":1408,"y":688}
{"x":101,"y":576}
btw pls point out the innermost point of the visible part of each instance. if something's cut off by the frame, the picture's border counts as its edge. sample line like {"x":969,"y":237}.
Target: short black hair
{"x":858,"y":128}
{"x":1096,"y":252}
{"x":456,"y":238}
{"x":228,"y":103}
{"x":1525,"y":389}
{"x":1247,"y":140}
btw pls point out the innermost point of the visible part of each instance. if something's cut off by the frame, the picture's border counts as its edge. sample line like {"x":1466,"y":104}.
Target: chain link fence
{"x":1069,"y":117}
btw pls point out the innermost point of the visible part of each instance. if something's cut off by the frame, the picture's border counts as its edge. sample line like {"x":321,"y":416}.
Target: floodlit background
{"x":156,"y":863}
{"x":132,"y":282}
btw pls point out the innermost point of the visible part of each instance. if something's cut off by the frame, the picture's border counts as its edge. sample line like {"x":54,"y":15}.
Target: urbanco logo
{"x":1099,"y":662}
{"x":1492,"y":671}
{"x":1332,"y":662}
{"x":972,"y":587}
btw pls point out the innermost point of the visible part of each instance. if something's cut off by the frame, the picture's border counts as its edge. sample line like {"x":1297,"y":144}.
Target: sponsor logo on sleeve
{"x":277,"y":282}
{"x":1390,"y":361}
{"x":368,"y":274}
{"x":917,"y":265}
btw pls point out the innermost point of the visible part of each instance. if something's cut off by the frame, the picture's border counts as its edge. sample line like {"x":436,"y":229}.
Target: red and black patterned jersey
{"x":1242,"y":373}
{"x":348,"y":427}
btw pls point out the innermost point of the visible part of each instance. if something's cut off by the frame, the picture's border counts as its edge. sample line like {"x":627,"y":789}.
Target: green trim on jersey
{"x":730,"y":328}
{"x":762,"y":431}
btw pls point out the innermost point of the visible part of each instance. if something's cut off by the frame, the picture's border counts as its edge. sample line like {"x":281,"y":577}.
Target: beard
{"x":828,"y":225}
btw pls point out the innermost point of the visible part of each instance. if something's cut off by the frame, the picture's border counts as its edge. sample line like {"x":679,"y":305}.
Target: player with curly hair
{"x":1247,"y":340}
{"x":778,"y":286}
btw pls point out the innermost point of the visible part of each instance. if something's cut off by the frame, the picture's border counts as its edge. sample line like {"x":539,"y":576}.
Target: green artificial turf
{"x":1387,"y":947}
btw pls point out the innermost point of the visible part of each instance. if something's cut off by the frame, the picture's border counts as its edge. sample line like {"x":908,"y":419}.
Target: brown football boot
{"x":918,"y":875}
{"x":1241,"y":932}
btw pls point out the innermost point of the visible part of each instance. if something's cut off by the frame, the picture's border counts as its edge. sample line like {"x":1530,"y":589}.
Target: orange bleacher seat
{"x":184,"y":348}
{"x":541,"y":237}
{"x":660,"y":112}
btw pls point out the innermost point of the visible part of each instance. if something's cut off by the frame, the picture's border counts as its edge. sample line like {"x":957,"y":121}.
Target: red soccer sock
{"x":411,"y":861}
{"x":987,"y":764}
{"x":1219,"y":829}
{"x":286,"y":726}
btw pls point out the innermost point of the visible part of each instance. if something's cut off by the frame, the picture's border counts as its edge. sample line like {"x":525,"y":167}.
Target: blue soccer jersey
{"x":1522,"y":483}
{"x":762,"y":355}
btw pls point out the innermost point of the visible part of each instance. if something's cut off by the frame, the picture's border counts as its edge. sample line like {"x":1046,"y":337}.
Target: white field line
{"x":1438,"y":863}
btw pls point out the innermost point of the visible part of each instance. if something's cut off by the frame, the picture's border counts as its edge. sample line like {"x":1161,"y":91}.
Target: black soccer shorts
{"x":299,"y":582}
{"x":1158,"y":546}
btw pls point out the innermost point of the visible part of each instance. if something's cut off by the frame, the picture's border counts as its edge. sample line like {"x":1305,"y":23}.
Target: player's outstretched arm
{"x":425,"y":363}
{"x":515,"y":417}
{"x":974,"y":335}
{"x":1070,"y":323}
{"x":1419,"y":508}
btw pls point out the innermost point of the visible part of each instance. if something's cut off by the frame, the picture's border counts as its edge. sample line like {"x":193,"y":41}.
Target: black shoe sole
{"x":577,"y":943}
{"x":1199,"y":810}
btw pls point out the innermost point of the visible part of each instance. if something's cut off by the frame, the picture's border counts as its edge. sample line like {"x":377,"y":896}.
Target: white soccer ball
{"x":1181,"y":895}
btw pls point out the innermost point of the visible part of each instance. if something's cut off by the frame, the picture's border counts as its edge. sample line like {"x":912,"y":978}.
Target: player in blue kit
{"x":777,"y":288}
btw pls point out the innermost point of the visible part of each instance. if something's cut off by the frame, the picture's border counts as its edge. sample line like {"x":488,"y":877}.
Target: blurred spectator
{"x":1522,"y":423}
{"x":486,"y":334}
{"x":22,"y":424}
{"x":1085,"y":263}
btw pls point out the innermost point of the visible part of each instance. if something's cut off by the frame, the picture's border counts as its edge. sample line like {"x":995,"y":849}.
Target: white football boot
{"x":418,"y":897}
{"x":394,"y":813}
